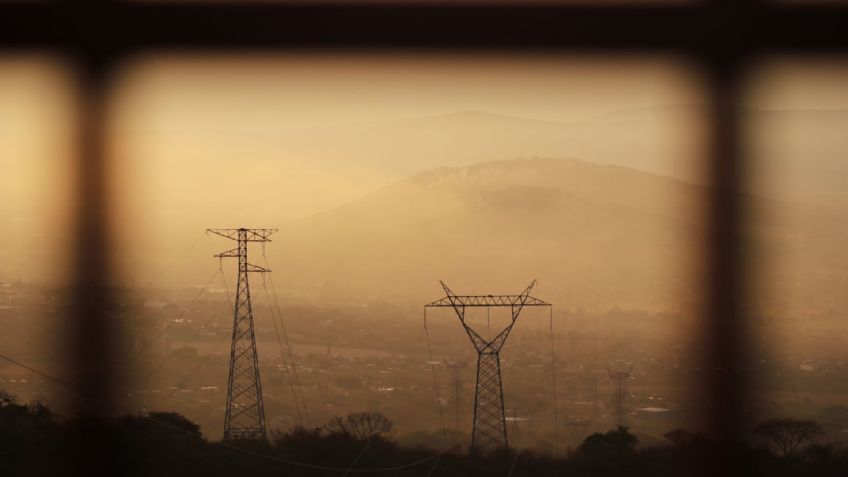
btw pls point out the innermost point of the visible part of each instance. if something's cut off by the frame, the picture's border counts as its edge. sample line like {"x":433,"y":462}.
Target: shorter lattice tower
{"x":489,"y":431}
{"x":620,"y":373}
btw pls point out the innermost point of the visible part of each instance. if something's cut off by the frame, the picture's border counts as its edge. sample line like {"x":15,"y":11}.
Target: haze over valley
{"x":385,"y":176}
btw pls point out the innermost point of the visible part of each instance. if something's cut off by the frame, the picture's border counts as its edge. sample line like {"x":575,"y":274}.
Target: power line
{"x":182,"y":313}
{"x":179,"y":257}
{"x":30,"y":443}
{"x":514,"y":461}
{"x":433,"y":467}
{"x":114,"y":397}
{"x":174,"y":321}
{"x":191,"y":373}
{"x":161,"y":365}
{"x":342,"y":469}
{"x":432,"y":365}
{"x":283,"y":356}
{"x":146,"y":376}
{"x":246,"y":451}
{"x":285,"y":335}
{"x":554,"y":383}
{"x":33,"y":370}
{"x":358,"y":456}
{"x":289,"y":351}
{"x":488,"y":324}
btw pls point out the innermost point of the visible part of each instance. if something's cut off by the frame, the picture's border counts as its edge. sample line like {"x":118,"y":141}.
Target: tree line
{"x":35,"y":441}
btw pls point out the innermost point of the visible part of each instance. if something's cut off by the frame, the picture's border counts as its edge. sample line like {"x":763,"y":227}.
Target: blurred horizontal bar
{"x":111,"y":28}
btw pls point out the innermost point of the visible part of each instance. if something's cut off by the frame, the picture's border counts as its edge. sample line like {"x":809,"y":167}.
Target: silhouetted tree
{"x":177,"y":422}
{"x":680,"y":437}
{"x":33,"y":441}
{"x":360,"y":425}
{"x":615,"y":442}
{"x":299,"y":439}
{"x":788,"y":434}
{"x":20,"y":423}
{"x":6,"y":398}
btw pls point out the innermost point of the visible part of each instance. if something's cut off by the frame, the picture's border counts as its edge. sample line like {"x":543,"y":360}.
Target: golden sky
{"x":260,"y":140}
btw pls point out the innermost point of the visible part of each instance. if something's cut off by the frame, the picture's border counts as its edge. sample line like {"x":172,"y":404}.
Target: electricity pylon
{"x":245,"y":414}
{"x":620,"y":372}
{"x":489,"y":431}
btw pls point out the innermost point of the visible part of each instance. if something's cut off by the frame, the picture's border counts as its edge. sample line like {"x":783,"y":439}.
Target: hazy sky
{"x":311,"y":123}
{"x":217,"y":141}
{"x":799,"y":84}
{"x":35,"y":180}
{"x":278,"y":91}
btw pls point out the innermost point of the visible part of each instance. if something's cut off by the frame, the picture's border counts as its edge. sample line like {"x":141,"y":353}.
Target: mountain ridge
{"x":595,"y":234}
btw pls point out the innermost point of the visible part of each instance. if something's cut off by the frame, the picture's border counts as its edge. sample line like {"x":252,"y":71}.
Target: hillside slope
{"x":594,"y":235}
{"x":590,"y":233}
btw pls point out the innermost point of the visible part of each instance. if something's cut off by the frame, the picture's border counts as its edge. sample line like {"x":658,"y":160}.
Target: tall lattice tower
{"x":245,"y":414}
{"x":620,"y":373}
{"x":489,"y":431}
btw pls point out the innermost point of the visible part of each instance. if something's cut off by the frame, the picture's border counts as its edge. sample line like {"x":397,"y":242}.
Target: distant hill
{"x":801,"y":150}
{"x":588,"y":232}
{"x":592,"y":234}
{"x":662,"y":143}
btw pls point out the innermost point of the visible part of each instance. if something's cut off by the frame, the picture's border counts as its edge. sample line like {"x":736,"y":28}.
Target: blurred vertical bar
{"x":726,"y":394}
{"x":93,"y":337}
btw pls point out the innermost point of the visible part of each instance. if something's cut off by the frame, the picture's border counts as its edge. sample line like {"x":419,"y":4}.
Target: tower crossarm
{"x":234,"y":253}
{"x":487,"y":300}
{"x":489,"y":430}
{"x":252,"y":235}
{"x":522,"y":301}
{"x":251,"y":268}
{"x":460,"y":302}
{"x":248,"y":267}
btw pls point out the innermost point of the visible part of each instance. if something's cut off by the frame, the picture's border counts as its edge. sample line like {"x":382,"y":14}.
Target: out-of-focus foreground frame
{"x":720,"y":37}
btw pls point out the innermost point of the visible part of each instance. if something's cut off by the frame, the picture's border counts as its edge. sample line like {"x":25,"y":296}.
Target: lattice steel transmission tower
{"x":245,"y":414}
{"x":620,"y":373}
{"x":489,"y":431}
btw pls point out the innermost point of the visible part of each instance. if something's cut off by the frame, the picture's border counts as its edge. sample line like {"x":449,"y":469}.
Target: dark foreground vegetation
{"x":35,"y":441}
